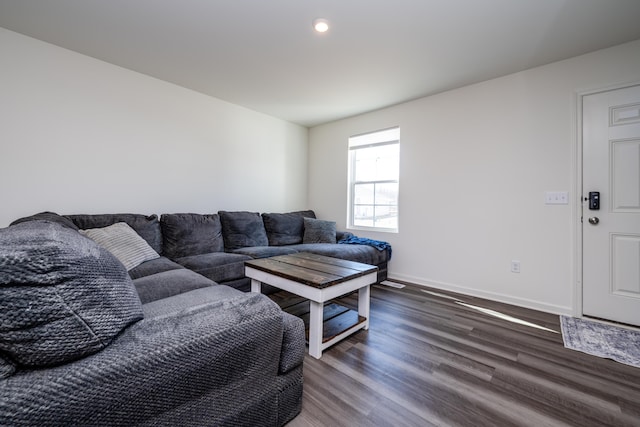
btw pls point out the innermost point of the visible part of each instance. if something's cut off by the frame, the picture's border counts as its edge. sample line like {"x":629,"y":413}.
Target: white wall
{"x":78,"y":135}
{"x":475,"y":163}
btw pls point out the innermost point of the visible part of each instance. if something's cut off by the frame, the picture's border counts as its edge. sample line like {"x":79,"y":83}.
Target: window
{"x":374,"y":168}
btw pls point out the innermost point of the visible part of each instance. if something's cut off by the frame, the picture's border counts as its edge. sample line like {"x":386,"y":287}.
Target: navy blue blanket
{"x":378,"y":244}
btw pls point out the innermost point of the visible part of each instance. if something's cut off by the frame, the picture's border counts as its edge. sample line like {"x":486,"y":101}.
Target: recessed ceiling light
{"x":321,"y":25}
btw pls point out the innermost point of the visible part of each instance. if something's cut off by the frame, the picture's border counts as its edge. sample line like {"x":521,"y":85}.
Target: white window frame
{"x":389,"y":136}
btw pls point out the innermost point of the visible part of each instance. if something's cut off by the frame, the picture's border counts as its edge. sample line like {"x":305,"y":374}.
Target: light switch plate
{"x":556,"y":198}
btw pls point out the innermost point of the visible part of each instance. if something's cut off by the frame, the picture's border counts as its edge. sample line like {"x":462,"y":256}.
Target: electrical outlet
{"x":515,"y":266}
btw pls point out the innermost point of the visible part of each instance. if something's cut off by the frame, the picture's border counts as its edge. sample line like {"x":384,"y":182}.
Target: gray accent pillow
{"x":62,"y":296}
{"x":242,"y":229}
{"x":187,"y":234}
{"x":148,"y":227}
{"x":124,"y":243}
{"x":319,"y":231}
{"x":285,"y":228}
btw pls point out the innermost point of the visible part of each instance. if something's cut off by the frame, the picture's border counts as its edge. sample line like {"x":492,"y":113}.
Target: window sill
{"x":375,"y":229}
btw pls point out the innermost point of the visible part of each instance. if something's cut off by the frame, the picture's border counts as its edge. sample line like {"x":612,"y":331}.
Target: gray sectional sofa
{"x":164,"y":342}
{"x":217,"y":245}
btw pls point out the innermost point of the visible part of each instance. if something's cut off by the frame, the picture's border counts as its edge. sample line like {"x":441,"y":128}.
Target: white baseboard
{"x":392,"y":284}
{"x":509,"y":299}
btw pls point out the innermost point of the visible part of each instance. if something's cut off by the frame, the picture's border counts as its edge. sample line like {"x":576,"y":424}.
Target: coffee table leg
{"x":256,"y":286}
{"x":364,"y":296}
{"x":315,"y":328}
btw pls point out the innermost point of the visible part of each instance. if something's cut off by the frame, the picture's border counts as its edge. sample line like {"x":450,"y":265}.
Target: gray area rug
{"x":602,"y":340}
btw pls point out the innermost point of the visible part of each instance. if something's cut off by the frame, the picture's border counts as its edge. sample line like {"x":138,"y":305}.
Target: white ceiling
{"x":264,"y":55}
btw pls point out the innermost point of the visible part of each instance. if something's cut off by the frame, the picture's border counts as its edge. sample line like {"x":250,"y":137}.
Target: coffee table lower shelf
{"x":338,"y":321}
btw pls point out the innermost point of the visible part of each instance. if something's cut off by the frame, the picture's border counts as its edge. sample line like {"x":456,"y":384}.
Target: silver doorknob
{"x":594,"y":220}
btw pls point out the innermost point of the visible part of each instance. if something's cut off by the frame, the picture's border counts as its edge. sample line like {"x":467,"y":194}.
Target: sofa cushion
{"x":285,"y":228}
{"x":265,"y":251}
{"x":169,"y":283}
{"x":123,"y":242}
{"x":63,"y":295}
{"x":319,"y":231}
{"x":189,"y":300}
{"x":243,"y":284}
{"x":217,"y":266}
{"x":358,"y":253}
{"x":242,"y":229}
{"x":153,"y":266}
{"x":48,"y":216}
{"x":187,"y":234}
{"x":148,"y":227}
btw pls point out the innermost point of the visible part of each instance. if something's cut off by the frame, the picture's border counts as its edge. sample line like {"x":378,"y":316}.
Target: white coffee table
{"x":319,"y":279}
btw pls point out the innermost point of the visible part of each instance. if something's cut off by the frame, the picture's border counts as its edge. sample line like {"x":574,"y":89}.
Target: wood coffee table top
{"x":310,"y":269}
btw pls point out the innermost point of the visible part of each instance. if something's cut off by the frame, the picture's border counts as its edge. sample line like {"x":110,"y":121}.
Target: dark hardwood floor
{"x":429,"y":360}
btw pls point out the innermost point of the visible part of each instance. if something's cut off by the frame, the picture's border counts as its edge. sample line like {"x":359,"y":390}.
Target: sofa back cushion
{"x":187,"y":234}
{"x":242,"y":229}
{"x":48,"y":216}
{"x":63,"y":296}
{"x":285,"y":228}
{"x":148,"y":227}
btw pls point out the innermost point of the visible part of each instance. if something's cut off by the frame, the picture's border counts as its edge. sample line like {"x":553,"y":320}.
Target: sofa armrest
{"x":213,"y":363}
{"x":343,"y":235}
{"x":293,"y":348}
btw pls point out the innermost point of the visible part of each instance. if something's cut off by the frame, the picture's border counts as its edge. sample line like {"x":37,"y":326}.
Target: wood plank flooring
{"x":429,"y":360}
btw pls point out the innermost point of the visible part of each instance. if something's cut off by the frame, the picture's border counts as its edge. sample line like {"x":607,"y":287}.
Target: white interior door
{"x":611,"y":235}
